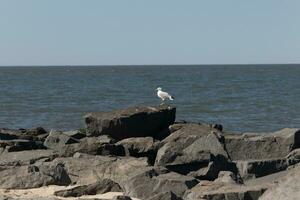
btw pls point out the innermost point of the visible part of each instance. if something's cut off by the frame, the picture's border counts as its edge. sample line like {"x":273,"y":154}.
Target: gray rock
{"x":102,"y":145}
{"x":287,"y":187}
{"x":28,"y":198}
{"x":130,"y":122}
{"x":26,"y":134}
{"x":57,"y":139}
{"x":121,"y":197}
{"x":86,"y":169}
{"x":215,"y":166}
{"x":190,"y":144}
{"x":140,"y":147}
{"x":257,"y":168}
{"x":26,"y":157}
{"x":221,"y":191}
{"x":20,"y":145}
{"x":165,"y":196}
{"x":35,"y":131}
{"x":294,"y":155}
{"x":23,"y":177}
{"x":197,"y":150}
{"x":111,"y":149}
{"x":262,"y":146}
{"x":100,"y":187}
{"x":226,"y":177}
{"x":152,"y":181}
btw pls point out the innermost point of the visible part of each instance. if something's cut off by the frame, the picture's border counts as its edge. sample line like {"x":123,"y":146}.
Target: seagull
{"x":164,"y":95}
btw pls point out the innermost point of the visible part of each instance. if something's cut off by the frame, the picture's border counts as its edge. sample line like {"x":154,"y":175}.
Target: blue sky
{"x":91,"y":32}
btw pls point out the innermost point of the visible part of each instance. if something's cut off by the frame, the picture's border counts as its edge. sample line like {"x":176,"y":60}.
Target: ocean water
{"x":254,"y":98}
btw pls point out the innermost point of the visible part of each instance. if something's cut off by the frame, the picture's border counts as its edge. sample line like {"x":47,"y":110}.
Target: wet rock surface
{"x":145,"y":154}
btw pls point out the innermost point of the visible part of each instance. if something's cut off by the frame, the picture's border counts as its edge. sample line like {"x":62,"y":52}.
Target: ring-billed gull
{"x":163,"y":95}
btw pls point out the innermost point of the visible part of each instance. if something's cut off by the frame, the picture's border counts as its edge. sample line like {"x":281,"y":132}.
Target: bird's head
{"x":158,"y":89}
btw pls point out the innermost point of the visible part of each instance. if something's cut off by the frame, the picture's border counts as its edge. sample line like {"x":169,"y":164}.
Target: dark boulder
{"x":10,"y":134}
{"x":20,"y":145}
{"x":262,"y":146}
{"x":111,"y":150}
{"x":165,"y":196}
{"x":130,"y":122}
{"x":215,"y":166}
{"x":249,"y":169}
{"x":99,"y":187}
{"x":35,"y":131}
{"x":121,"y":197}
{"x":26,"y":134}
{"x":152,"y":181}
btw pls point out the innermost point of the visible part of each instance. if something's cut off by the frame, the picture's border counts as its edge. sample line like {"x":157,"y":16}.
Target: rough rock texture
{"x":221,"y":191}
{"x":287,"y":187}
{"x":165,"y":196}
{"x":140,"y":147}
{"x":58,"y":139}
{"x":100,"y":187}
{"x":30,"y":134}
{"x":89,"y":145}
{"x":294,"y":155}
{"x":121,"y":197}
{"x":144,"y":152}
{"x":194,"y":149}
{"x":87,"y":169}
{"x":226,"y":177}
{"x":192,"y":143}
{"x":26,"y":157}
{"x":22,"y":177}
{"x":216,"y":164}
{"x":153,"y":181}
{"x":130,"y":122}
{"x":20,"y":145}
{"x":258,"y":168}
{"x":267,"y":146}
{"x":22,"y":198}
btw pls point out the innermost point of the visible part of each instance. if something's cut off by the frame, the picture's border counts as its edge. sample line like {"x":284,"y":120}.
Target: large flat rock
{"x":130,"y":122}
{"x":25,"y":157}
{"x":262,"y":146}
{"x":27,"y":134}
{"x":31,"y":176}
{"x":87,"y":169}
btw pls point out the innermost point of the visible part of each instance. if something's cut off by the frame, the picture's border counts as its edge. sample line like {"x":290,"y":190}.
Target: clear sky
{"x":91,"y":32}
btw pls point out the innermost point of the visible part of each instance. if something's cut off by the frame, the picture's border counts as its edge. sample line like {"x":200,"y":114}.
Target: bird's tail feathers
{"x":171,"y":98}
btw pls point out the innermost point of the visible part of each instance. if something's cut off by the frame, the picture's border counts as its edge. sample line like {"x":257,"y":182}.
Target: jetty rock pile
{"x":143,"y":153}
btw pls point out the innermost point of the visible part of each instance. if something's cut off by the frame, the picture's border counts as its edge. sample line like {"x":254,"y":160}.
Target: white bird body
{"x":164,"y":95}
